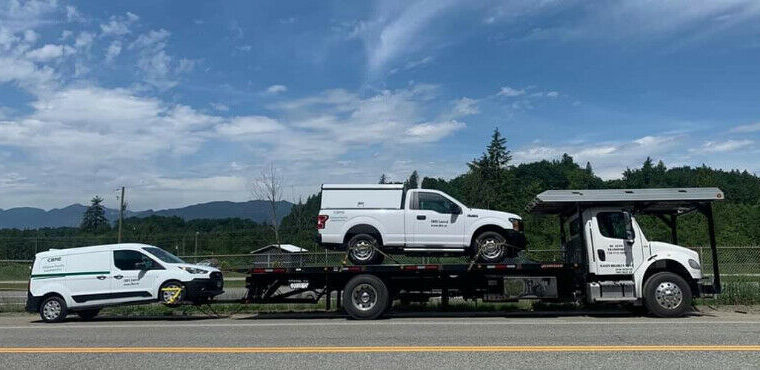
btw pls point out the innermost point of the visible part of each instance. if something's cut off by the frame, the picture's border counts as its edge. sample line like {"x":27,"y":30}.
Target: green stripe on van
{"x":48,"y":276}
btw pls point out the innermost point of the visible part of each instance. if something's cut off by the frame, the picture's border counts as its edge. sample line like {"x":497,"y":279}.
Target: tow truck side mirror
{"x":630,"y":236}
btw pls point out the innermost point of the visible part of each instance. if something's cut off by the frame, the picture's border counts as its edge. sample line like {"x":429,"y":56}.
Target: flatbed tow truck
{"x":605,"y":258}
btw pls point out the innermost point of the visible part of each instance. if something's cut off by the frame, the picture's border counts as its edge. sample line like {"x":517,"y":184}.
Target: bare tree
{"x":268,"y":187}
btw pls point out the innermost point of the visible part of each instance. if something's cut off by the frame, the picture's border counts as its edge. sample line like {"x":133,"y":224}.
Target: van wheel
{"x":88,"y":314}
{"x":667,"y":295}
{"x":491,"y":247}
{"x":365,"y":297}
{"x":363,"y":250}
{"x":171,"y":293}
{"x":53,"y":309}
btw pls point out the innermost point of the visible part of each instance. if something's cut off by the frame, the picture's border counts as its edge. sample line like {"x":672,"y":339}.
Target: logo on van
{"x":54,"y":259}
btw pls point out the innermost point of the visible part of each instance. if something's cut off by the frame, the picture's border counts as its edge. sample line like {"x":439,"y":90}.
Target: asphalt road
{"x":722,"y":340}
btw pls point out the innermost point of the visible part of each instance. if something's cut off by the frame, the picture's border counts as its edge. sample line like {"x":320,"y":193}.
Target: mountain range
{"x":71,"y":216}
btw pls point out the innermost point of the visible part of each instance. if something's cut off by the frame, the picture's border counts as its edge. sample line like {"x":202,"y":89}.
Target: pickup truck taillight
{"x":321,"y":221}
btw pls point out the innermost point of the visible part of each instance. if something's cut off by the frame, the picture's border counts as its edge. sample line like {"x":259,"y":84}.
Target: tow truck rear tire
{"x":667,"y":295}
{"x":365,"y":297}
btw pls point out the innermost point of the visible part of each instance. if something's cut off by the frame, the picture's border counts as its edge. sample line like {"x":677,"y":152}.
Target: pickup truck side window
{"x":433,"y":202}
{"x":133,"y":260}
{"x":612,"y":224}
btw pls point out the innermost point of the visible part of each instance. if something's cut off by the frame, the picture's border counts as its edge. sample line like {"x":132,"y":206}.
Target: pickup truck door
{"x":435,"y":221}
{"x":613,"y":252}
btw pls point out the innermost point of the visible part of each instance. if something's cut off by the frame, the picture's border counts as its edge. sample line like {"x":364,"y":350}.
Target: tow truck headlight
{"x":694,"y":264}
{"x":193,"y":270}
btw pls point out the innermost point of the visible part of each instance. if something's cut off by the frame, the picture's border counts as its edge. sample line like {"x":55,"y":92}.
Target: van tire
{"x":165,"y":296}
{"x":365,"y":297}
{"x":363,"y":249}
{"x":88,"y":314}
{"x":667,"y":295}
{"x":53,"y":309}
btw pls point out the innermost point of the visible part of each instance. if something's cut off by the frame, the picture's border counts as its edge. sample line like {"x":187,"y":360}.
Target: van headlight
{"x":694,"y":264}
{"x":193,"y":270}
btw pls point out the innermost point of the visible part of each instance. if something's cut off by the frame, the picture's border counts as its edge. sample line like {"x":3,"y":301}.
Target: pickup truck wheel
{"x":363,"y":250}
{"x":53,"y":309}
{"x":490,"y":247}
{"x":365,"y":297}
{"x":667,"y":295}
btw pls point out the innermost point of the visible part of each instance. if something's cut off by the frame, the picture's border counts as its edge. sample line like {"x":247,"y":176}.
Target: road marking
{"x":334,"y":323}
{"x":386,"y":349}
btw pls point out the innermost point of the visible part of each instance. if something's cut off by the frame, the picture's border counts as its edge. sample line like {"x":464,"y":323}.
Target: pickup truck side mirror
{"x":630,"y":235}
{"x":455,"y":209}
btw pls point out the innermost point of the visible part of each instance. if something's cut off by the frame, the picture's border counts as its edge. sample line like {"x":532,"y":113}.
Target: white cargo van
{"x":83,"y":280}
{"x":365,"y":219}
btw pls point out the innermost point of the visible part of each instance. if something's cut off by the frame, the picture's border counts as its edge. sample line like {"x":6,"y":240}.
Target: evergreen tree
{"x":496,"y":155}
{"x":94,"y":218}
{"x":383,"y":179}
{"x":589,"y":170}
{"x":413,"y":181}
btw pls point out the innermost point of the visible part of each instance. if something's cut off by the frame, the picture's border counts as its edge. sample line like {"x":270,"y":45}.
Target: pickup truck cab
{"x":366,"y":219}
{"x":83,"y":280}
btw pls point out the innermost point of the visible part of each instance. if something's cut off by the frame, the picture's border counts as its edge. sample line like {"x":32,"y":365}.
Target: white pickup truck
{"x":367,"y":218}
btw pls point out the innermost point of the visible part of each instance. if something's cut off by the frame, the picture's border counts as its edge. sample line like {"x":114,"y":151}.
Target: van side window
{"x":133,"y":260}
{"x":612,"y":224}
{"x":434,"y":202}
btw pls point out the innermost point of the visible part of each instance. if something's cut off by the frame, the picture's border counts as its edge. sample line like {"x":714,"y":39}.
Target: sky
{"x":186,"y":101}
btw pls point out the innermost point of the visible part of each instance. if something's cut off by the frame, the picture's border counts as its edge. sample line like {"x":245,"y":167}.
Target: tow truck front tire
{"x":365,"y":297}
{"x":667,"y":295}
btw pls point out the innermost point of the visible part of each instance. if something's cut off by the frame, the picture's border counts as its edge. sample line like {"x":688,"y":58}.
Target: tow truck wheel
{"x":365,"y":297}
{"x":363,"y":250}
{"x":491,"y":247}
{"x":667,"y":295}
{"x":88,"y":314}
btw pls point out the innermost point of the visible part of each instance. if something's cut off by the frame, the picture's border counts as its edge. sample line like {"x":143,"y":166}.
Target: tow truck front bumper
{"x":707,"y":288}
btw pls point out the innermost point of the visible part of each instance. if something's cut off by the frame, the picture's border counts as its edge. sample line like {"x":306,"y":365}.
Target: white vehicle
{"x":366,"y":219}
{"x":83,"y":280}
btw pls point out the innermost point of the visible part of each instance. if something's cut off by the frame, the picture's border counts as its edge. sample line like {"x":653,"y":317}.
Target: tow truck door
{"x":615,"y":247}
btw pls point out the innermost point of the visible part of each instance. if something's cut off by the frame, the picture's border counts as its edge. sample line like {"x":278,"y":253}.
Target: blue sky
{"x":185,"y":102}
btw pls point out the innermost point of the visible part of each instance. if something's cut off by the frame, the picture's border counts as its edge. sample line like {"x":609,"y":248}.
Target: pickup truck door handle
{"x":118,"y":277}
{"x":101,"y":277}
{"x":421,"y":217}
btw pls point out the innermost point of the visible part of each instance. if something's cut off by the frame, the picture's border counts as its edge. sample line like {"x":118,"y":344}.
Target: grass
{"x":14,"y":271}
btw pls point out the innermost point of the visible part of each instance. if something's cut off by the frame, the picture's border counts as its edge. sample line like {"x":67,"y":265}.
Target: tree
{"x":496,"y":155}
{"x":268,"y":187}
{"x":383,"y":179}
{"x":589,"y":170}
{"x":413,"y":181}
{"x":94,"y":218}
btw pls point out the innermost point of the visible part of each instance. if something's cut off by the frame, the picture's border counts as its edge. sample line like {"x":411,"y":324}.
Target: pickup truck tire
{"x":365,"y":297}
{"x":490,"y":247}
{"x":362,"y":249}
{"x":667,"y":295}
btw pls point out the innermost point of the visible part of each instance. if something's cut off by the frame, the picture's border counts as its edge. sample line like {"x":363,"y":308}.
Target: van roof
{"x":362,"y":186}
{"x":93,"y":248}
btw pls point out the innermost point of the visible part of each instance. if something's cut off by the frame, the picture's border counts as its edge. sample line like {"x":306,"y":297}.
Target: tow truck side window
{"x":612,"y":224}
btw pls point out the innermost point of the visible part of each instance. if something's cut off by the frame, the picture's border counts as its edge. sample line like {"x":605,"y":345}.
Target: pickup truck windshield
{"x":163,"y":255}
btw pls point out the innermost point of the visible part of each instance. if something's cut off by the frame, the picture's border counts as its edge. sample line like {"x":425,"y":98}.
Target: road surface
{"x":720,"y":340}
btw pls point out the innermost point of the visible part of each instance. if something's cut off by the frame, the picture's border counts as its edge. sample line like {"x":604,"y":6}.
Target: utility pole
{"x":196,"y":243}
{"x":121,"y":212}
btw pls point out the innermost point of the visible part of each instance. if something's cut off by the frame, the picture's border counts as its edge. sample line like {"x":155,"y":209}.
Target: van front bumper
{"x":202,"y":289}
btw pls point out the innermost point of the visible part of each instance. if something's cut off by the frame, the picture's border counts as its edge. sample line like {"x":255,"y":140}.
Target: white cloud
{"x":752,"y":127}
{"x":158,"y":67}
{"x":45,"y":53}
{"x":84,"y":40}
{"x":725,"y":146}
{"x":247,"y":128}
{"x":510,"y":92}
{"x":465,"y":107}
{"x":220,"y":107}
{"x":73,"y":15}
{"x":113,"y":51}
{"x":119,"y":26}
{"x":552,"y":94}
{"x":276,"y":89}
{"x":431,"y":132}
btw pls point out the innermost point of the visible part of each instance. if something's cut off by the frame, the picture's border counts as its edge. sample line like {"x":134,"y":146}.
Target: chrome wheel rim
{"x":167,"y":294}
{"x":362,"y":250}
{"x":364,"y":297}
{"x":491,"y":248}
{"x":668,"y":295}
{"x":52,"y":310}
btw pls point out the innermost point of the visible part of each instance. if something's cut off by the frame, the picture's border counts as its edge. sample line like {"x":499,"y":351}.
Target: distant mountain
{"x":71,"y":216}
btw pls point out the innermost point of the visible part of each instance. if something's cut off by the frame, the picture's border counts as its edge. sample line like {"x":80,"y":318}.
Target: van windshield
{"x":163,"y":255}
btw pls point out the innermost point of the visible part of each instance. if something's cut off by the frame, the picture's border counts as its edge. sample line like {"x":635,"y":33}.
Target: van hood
{"x":666,"y":249}
{"x":200,"y":267}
